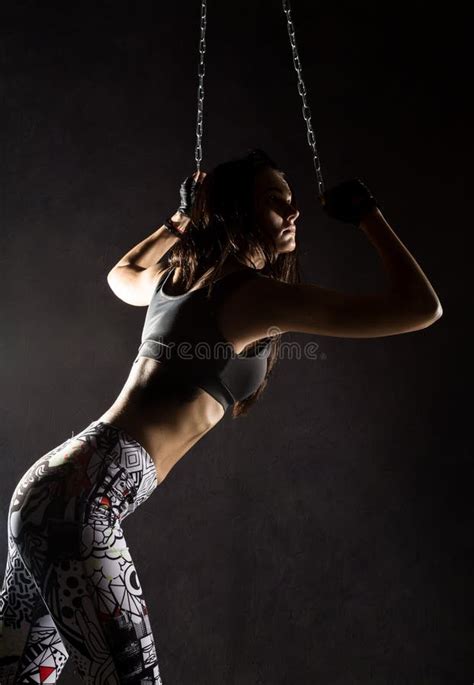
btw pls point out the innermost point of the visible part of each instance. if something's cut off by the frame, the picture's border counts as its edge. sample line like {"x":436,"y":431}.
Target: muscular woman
{"x":222,"y":284}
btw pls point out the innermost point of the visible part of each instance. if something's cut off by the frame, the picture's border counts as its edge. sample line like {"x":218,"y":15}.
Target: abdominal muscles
{"x":164,"y":414}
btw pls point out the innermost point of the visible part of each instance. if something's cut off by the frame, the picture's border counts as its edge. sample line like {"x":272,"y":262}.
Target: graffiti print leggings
{"x":70,"y":586}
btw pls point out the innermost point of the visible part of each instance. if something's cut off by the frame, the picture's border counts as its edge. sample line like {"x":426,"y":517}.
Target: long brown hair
{"x":223,"y":223}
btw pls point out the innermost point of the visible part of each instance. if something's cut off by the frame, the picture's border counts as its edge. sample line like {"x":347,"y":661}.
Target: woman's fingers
{"x":199,"y":176}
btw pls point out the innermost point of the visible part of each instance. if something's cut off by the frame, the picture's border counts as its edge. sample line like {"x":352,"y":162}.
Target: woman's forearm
{"x":405,"y":275}
{"x":150,"y":250}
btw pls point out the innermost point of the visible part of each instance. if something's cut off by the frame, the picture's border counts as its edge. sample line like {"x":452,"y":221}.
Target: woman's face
{"x":274,"y":209}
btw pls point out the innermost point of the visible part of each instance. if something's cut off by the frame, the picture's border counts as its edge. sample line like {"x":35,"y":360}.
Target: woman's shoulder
{"x":231,"y":281}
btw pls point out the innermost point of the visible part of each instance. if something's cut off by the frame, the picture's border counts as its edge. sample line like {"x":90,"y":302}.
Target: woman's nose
{"x":294,"y":214}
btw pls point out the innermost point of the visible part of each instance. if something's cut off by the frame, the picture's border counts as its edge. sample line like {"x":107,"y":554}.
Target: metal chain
{"x":302,"y":92}
{"x":201,"y":72}
{"x":301,"y":89}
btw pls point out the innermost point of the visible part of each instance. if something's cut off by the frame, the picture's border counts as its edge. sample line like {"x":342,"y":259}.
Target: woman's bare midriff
{"x":166,"y":429}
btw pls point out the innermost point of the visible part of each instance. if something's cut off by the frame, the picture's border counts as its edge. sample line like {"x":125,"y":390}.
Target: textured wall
{"x":322,"y":539}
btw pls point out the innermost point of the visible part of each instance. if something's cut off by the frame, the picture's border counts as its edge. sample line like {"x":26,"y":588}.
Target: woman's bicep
{"x":308,"y":308}
{"x":133,"y":284}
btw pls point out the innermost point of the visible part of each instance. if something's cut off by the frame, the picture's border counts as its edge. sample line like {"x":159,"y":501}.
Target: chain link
{"x":301,"y":89}
{"x":200,"y":96}
{"x":302,"y":92}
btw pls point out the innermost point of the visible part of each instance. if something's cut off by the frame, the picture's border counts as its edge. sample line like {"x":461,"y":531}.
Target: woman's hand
{"x":187,"y":194}
{"x":349,"y":201}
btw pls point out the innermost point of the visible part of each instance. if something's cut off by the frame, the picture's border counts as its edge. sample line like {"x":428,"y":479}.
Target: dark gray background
{"x":324,"y":538}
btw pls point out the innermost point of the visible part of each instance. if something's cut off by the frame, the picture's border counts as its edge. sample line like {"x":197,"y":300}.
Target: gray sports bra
{"x":181,"y":330}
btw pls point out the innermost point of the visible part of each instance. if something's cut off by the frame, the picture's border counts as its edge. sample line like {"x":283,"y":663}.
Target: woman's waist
{"x":165,"y":414}
{"x":170,"y":397}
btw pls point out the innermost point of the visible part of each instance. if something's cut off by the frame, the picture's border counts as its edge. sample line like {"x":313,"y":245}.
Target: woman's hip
{"x":100,"y":474}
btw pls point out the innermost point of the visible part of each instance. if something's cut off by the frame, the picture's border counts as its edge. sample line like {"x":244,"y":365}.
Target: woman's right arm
{"x":134,"y":276}
{"x":409,"y":303}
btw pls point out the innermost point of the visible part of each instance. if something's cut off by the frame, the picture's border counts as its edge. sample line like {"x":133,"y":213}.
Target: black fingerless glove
{"x":187,"y":195}
{"x":349,"y":201}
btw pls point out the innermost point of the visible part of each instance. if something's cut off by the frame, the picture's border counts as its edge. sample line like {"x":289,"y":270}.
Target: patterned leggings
{"x":70,"y":585}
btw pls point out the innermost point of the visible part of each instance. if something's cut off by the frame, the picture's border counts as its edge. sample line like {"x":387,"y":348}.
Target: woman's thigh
{"x":65,"y":520}
{"x":31,"y":649}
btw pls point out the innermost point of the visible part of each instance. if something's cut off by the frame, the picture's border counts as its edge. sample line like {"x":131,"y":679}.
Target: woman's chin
{"x":286,"y":246}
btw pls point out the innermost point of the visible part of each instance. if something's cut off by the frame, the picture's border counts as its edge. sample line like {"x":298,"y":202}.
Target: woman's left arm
{"x":406,"y":279}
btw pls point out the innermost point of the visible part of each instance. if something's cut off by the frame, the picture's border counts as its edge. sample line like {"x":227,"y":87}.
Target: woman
{"x":229,"y":288}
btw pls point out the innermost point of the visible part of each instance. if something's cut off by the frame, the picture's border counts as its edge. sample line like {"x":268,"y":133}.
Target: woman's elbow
{"x":430,"y":317}
{"x":426,"y":309}
{"x":434,"y":310}
{"x":438,"y":313}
